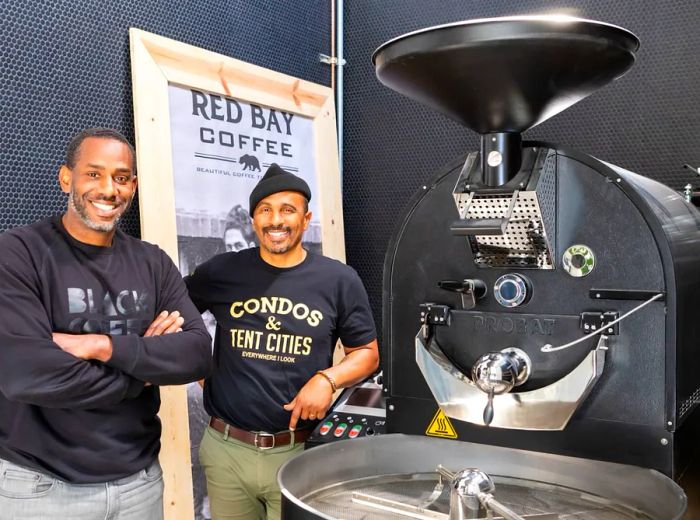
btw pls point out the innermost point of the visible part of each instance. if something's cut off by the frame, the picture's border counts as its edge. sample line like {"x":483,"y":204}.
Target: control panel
{"x":359,"y":412}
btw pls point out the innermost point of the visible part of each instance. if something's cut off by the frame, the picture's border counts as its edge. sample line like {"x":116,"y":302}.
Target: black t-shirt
{"x":86,"y":421}
{"x":275,"y":328}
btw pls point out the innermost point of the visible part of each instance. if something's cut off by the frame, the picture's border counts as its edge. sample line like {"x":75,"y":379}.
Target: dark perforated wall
{"x":65,"y":66}
{"x":647,"y":122}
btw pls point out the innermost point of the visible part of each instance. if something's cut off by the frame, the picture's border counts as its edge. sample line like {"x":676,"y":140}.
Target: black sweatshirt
{"x":85,"y":421}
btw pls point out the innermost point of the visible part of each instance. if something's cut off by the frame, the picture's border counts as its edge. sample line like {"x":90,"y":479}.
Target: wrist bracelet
{"x":329,"y":379}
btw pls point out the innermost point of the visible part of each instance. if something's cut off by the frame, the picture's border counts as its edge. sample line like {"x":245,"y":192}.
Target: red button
{"x":355,"y":431}
{"x":340,"y":430}
{"x":325,"y":428}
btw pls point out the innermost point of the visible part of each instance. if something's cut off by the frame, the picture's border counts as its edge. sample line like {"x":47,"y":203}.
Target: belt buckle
{"x":265,"y":434}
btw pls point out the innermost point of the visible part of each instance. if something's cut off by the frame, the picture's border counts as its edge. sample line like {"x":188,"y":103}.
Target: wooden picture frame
{"x":156,"y":63}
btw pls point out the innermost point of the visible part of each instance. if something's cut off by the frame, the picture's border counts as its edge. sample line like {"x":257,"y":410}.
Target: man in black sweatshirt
{"x":91,"y":322}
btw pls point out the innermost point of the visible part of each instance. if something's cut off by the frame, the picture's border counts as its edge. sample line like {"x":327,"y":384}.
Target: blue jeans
{"x":26,"y":494}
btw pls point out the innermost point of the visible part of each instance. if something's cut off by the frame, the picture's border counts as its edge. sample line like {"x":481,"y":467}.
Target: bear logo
{"x":249,"y":162}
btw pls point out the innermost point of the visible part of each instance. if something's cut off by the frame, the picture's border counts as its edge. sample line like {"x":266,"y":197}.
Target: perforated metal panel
{"x":547,"y":195}
{"x":647,"y":122}
{"x":524,"y":243}
{"x":65,"y":67}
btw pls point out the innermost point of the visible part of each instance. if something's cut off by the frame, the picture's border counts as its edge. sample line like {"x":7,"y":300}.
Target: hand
{"x":85,"y":346}
{"x":311,"y":402}
{"x":165,"y":323}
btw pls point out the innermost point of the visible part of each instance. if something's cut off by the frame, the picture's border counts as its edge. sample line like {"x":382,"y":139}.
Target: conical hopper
{"x":504,"y":75}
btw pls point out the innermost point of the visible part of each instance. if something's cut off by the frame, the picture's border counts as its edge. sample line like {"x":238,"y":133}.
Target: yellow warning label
{"x":441,"y":426}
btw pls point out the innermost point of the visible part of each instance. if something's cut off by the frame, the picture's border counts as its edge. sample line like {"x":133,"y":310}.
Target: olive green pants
{"x":242,"y":479}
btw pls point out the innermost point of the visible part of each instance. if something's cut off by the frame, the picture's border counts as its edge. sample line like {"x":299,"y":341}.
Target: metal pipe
{"x":501,"y":155}
{"x":339,"y":85}
{"x":333,"y":56}
{"x":445,"y":472}
{"x":492,"y":504}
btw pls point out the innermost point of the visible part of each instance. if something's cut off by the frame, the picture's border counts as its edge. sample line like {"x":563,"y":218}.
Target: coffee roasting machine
{"x":538,"y":304}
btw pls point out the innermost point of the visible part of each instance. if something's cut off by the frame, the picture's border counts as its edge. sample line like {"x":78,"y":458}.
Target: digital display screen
{"x":367,"y":397}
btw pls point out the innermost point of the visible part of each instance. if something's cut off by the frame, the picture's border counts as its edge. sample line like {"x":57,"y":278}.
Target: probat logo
{"x":520,"y":326}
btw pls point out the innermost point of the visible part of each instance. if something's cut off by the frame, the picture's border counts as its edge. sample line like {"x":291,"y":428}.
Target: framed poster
{"x":207,"y":126}
{"x":221,"y":148}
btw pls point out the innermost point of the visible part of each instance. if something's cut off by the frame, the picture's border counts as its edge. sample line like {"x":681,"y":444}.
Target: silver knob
{"x":471,"y":482}
{"x":466,"y":487}
{"x":471,"y":495}
{"x":497,"y":373}
{"x":500,"y":372}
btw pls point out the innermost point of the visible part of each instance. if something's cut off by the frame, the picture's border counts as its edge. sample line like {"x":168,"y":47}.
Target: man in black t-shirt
{"x":279,"y":310}
{"x":91,"y":322}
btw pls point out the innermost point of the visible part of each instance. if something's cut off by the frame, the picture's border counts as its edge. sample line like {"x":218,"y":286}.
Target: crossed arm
{"x":74,"y":382}
{"x":99,"y":346}
{"x":67,"y":371}
{"x":183,"y":356}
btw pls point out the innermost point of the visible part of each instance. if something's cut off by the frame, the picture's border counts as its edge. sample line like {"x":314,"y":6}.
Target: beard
{"x":281,"y":248}
{"x":78,"y":205}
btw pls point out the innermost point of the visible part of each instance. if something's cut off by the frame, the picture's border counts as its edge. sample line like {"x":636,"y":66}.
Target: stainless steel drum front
{"x":394,"y":477}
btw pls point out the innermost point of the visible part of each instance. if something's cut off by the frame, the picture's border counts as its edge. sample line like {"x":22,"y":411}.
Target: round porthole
{"x":511,"y":290}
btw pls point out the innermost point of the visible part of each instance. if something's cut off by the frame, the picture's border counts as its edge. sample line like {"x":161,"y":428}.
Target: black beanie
{"x":275,"y":180}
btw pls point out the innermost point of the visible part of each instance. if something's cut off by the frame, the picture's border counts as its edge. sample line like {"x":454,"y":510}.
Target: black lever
{"x":470,"y":290}
{"x":488,"y":410}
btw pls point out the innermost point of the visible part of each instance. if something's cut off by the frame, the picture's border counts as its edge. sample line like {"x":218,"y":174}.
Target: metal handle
{"x":470,"y":290}
{"x":488,"y":410}
{"x":481,"y":226}
{"x":445,"y":472}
